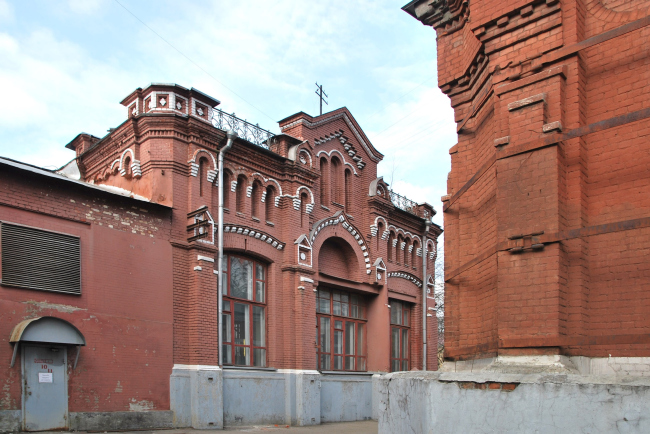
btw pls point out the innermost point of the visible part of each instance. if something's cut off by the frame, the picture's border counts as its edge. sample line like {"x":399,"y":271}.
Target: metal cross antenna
{"x":320,"y":94}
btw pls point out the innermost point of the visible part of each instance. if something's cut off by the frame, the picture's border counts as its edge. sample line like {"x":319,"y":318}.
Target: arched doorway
{"x":44,"y":344}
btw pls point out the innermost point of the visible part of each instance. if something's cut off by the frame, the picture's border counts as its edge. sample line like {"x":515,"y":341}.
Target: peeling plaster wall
{"x":509,"y":403}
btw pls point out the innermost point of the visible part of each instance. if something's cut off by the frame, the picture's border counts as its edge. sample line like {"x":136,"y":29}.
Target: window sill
{"x":270,"y":223}
{"x":248,"y":368}
{"x":240,"y":214}
{"x":338,"y":204}
{"x":347,"y":373}
{"x":255,"y":219}
{"x":324,"y":207}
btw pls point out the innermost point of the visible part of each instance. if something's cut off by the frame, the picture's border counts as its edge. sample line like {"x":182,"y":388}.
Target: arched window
{"x":256,"y":196}
{"x":244,"y":311}
{"x":380,"y":232}
{"x":126,"y":166}
{"x":398,"y":249}
{"x":414,"y":254}
{"x":406,"y":251}
{"x":324,"y":182}
{"x":227,"y":179}
{"x":348,"y":191}
{"x":391,"y":248}
{"x":240,"y":192}
{"x":303,"y":210}
{"x":335,"y":180}
{"x":203,"y":175}
{"x":270,"y":203}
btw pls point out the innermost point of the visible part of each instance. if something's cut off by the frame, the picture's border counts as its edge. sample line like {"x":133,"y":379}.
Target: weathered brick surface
{"x":574,"y":290}
{"x":125,"y":307}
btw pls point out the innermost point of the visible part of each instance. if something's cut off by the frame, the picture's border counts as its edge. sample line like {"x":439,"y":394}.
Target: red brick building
{"x":323,"y":273}
{"x":546,"y":216}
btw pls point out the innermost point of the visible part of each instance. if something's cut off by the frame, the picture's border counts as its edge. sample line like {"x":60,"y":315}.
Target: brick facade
{"x":546,"y":216}
{"x":312,"y":190}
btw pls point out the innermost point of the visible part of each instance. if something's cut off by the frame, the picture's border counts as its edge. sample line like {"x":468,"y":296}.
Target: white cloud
{"x":6,"y":12}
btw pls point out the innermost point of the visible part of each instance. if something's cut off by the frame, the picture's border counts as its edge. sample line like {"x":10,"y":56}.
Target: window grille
{"x":43,"y":260}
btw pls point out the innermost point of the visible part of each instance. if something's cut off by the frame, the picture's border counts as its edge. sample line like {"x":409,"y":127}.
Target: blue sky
{"x":66,"y":64}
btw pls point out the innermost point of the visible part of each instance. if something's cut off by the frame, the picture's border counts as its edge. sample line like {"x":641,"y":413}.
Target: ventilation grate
{"x":38,"y":259}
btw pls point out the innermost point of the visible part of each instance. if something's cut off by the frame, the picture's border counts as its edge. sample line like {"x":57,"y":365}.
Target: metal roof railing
{"x":403,"y":202}
{"x":244,"y":129}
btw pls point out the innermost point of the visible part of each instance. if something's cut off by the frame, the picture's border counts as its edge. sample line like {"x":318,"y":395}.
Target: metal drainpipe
{"x":232,"y":135}
{"x":427,"y":225}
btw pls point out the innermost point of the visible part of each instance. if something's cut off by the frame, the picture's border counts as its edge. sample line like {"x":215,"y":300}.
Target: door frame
{"x":23,"y":383}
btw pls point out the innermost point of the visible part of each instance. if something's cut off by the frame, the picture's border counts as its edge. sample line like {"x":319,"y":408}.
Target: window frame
{"x":229,"y":302}
{"x":360,"y":324}
{"x":403,"y":326}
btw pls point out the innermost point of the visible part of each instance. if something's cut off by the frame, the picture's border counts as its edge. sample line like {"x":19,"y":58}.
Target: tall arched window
{"x":391,"y":240}
{"x":227,"y":179}
{"x":335,"y":180}
{"x":203,"y":175}
{"x":304,"y":217}
{"x":414,"y":254}
{"x":398,"y":249}
{"x":256,"y":196}
{"x":380,"y":232}
{"x":324,"y":182}
{"x":348,"y":191}
{"x":244,"y":312}
{"x":406,"y":251}
{"x":240,"y":198}
{"x":270,"y":203}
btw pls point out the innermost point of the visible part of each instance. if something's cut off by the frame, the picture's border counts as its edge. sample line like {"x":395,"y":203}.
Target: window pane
{"x":344,"y":310}
{"x":338,"y":325}
{"x":224,"y":282}
{"x":325,"y":362}
{"x":354,"y":299}
{"x":405,"y":344}
{"x":324,"y":293}
{"x":336,"y":308}
{"x":226,"y":306}
{"x":349,"y":338}
{"x":242,"y":356}
{"x":324,"y":306}
{"x":241,"y":278}
{"x":344,"y":297}
{"x":242,"y":324}
{"x":394,"y":365}
{"x":325,"y":336}
{"x":259,"y":291}
{"x":338,"y":362}
{"x":225,"y":327}
{"x":405,"y":317}
{"x":349,"y":363}
{"x":354,"y":311}
{"x":258,"y":327}
{"x":227,"y":354}
{"x":394,"y":343}
{"x":259,"y":357}
{"x":360,"y":332}
{"x":398,"y":312}
{"x":393,"y":312}
{"x":259,"y":272}
{"x":337,"y":296}
{"x":338,"y":341}
{"x":361,"y":363}
{"x":405,"y":365}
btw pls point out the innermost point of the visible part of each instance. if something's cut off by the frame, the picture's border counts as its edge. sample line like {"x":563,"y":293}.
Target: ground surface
{"x":364,"y":427}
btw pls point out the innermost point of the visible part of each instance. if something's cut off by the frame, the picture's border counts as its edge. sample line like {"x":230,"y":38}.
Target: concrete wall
{"x":512,"y":403}
{"x":241,"y":397}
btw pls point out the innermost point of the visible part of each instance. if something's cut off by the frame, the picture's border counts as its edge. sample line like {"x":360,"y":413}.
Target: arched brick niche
{"x":337,"y":258}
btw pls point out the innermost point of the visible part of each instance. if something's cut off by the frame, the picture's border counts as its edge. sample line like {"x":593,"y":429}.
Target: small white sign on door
{"x":44,"y":377}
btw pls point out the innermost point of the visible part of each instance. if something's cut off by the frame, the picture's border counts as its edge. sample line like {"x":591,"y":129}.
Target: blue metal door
{"x":45,"y":388}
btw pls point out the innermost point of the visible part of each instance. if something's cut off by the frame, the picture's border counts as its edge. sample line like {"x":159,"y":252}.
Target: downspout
{"x":232,"y":135}
{"x":427,"y":225}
